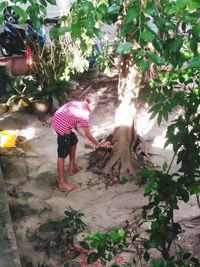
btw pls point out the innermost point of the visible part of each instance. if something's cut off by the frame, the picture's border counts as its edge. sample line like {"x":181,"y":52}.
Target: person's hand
{"x":106,"y":144}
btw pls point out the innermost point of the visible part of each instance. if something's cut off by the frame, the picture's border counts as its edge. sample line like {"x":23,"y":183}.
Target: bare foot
{"x":66,"y":187}
{"x":75,"y":170}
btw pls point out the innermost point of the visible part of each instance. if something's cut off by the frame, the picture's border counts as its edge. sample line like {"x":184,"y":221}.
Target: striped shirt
{"x":69,"y":116}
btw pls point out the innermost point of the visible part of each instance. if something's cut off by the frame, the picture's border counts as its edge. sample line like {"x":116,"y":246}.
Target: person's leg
{"x":63,"y":151}
{"x":72,"y":154}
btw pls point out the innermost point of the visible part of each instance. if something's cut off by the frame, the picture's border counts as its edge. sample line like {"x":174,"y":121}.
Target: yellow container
{"x":8,"y":138}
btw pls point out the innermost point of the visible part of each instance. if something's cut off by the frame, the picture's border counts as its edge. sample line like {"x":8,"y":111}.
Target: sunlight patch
{"x":29,"y":133}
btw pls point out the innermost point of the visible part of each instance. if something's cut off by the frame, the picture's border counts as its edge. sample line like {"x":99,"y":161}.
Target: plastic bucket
{"x":8,"y":138}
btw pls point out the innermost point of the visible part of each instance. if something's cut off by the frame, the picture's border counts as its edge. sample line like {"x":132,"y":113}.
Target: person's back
{"x":69,"y":115}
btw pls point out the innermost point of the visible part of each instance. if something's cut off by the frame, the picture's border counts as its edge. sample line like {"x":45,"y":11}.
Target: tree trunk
{"x":125,"y":133}
{"x":128,"y":152}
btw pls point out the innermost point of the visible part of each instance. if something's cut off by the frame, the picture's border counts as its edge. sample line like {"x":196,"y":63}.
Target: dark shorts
{"x":64,"y":144}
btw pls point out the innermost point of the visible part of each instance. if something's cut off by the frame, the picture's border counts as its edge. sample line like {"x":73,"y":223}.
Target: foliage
{"x":35,"y":11}
{"x":6,"y":79}
{"x":12,"y":88}
{"x":74,"y":223}
{"x":48,"y":68}
{"x":66,"y":229}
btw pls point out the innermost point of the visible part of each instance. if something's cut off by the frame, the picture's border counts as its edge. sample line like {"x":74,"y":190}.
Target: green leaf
{"x":115,"y":237}
{"x":144,"y":65}
{"x":21,"y":13}
{"x":3,"y":5}
{"x":176,"y":44}
{"x":97,"y":32}
{"x":159,"y":119}
{"x":58,"y":31}
{"x":114,"y":9}
{"x":164,"y":166}
{"x":92,"y":257}
{"x":194,"y":63}
{"x":183,"y":194}
{"x":36,"y":21}
{"x":193,"y":4}
{"x":88,"y":7}
{"x":152,"y":26}
{"x":132,"y":14}
{"x":43,"y":2}
{"x":63,"y":18}
{"x":121,"y":232}
{"x":1,"y":18}
{"x":52,"y":2}
{"x":123,"y":180}
{"x":84,"y":245}
{"x":146,"y":256}
{"x":75,"y":254}
{"x":180,"y":5}
{"x":124,"y":48}
{"x":196,"y":30}
{"x":194,"y":189}
{"x":150,"y":9}
{"x":156,"y":59}
{"x":102,"y":9}
{"x":147,"y":36}
{"x":157,"y":44}
{"x":75,"y":31}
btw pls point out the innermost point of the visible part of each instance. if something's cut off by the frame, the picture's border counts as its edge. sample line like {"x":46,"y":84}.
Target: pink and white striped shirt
{"x":69,"y":116}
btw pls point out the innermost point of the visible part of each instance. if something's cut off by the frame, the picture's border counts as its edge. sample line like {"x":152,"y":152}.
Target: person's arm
{"x":80,"y":132}
{"x":95,"y":142}
{"x":89,"y":136}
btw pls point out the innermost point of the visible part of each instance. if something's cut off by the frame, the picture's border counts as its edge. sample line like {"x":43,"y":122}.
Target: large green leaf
{"x":132,"y":14}
{"x":194,"y":63}
{"x":121,"y":232}
{"x":3,"y":5}
{"x":193,"y":4}
{"x":176,"y":44}
{"x":43,"y":2}
{"x":43,"y":10}
{"x":92,"y":257}
{"x":147,"y":36}
{"x":152,"y":26}
{"x":35,"y":20}
{"x":102,"y":9}
{"x":114,"y":9}
{"x":124,"y":48}
{"x":1,"y":18}
{"x":196,"y":30}
{"x":88,"y":7}
{"x":156,"y":59}
{"x":84,"y":245}
{"x":21,"y":13}
{"x":55,"y":32}
{"x":52,"y":2}
{"x":144,"y":65}
{"x":150,"y":9}
{"x":180,"y":4}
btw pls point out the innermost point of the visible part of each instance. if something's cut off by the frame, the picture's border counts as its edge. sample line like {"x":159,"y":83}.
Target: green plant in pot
{"x":12,"y":91}
{"x":50,"y":81}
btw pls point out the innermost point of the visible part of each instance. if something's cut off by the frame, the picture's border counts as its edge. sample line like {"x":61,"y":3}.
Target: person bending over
{"x":73,"y":115}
